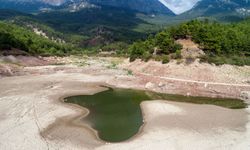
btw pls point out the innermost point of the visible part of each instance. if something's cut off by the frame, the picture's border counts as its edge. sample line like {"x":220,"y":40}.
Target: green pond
{"x":116,"y":113}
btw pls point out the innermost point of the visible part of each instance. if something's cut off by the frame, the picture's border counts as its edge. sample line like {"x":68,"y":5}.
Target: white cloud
{"x":179,"y":6}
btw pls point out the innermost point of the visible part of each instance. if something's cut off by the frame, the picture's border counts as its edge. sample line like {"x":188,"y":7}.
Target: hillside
{"x":144,"y":6}
{"x":229,"y":10}
{"x":109,"y":22}
{"x":229,"y":45}
{"x":13,"y":37}
{"x":23,"y":5}
{"x":97,"y":24}
{"x":92,"y":27}
{"x":36,"y":6}
{"x":113,"y":25}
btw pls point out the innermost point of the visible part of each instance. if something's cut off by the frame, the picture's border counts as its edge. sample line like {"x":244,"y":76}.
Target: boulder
{"x":149,"y":85}
{"x":161,"y":84}
{"x":245,"y":95}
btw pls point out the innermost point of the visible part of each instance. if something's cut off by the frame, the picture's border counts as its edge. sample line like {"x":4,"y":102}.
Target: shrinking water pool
{"x":116,"y":113}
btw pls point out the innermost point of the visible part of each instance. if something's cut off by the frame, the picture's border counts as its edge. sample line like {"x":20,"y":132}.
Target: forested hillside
{"x":222,"y":43}
{"x":221,"y":10}
{"x":91,"y":28}
{"x":101,"y":25}
{"x":15,"y":37}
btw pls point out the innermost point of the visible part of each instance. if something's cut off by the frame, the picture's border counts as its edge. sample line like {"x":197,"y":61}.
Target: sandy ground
{"x":33,"y":117}
{"x":197,"y":79}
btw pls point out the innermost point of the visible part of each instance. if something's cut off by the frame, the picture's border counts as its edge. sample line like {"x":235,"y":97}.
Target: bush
{"x":146,"y":57}
{"x":177,"y":55}
{"x":136,"y":50}
{"x":117,"y":46}
{"x":165,"y":59}
{"x":145,"y":49}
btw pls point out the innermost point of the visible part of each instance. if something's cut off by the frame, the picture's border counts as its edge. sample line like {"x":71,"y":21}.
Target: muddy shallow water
{"x":116,"y":113}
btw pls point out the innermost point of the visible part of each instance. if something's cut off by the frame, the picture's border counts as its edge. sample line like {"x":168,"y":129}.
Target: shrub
{"x":177,"y":55}
{"x":165,"y":59}
{"x":146,"y":57}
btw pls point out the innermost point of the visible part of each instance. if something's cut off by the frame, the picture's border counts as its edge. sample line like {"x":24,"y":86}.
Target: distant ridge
{"x":220,"y":7}
{"x":143,"y":6}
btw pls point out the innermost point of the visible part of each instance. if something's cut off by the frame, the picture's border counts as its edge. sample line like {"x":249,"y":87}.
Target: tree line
{"x":13,"y":36}
{"x":222,"y":43}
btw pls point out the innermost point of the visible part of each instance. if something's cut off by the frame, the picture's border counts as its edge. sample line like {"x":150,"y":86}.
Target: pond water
{"x":116,"y":113}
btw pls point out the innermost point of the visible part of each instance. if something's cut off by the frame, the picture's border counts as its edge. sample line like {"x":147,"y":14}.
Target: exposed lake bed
{"x":31,"y":112}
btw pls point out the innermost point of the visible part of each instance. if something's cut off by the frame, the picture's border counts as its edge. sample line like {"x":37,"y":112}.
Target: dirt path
{"x":194,"y":81}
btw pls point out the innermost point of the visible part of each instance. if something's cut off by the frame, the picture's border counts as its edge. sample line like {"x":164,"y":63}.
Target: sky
{"x":179,"y":6}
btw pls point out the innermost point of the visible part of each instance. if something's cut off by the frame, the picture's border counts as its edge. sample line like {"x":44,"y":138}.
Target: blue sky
{"x":179,"y":6}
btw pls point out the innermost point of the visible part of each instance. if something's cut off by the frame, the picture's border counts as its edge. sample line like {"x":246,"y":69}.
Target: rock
{"x":205,"y":85}
{"x":245,"y":95}
{"x":149,"y":85}
{"x":161,"y":84}
{"x":10,"y":59}
{"x":247,"y":81}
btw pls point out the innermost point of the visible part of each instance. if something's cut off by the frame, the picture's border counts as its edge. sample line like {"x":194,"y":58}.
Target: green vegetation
{"x":102,"y":26}
{"x":113,"y":30}
{"x":106,"y":28}
{"x":165,"y":59}
{"x":120,"y":48}
{"x":129,"y":72}
{"x":216,"y":38}
{"x":12,"y":36}
{"x":222,"y":43}
{"x":160,"y":44}
{"x":31,"y":23}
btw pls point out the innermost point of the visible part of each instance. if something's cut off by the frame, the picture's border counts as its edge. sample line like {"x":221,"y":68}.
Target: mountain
{"x":220,"y":9}
{"x":144,"y":6}
{"x":95,"y":26}
{"x":101,"y":24}
{"x":89,"y":22}
{"x":30,"y":6}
